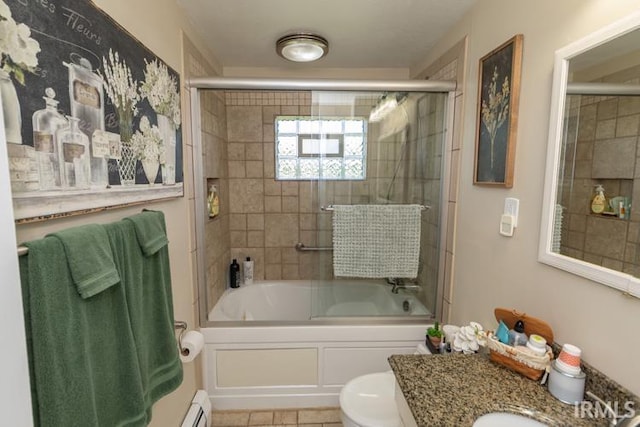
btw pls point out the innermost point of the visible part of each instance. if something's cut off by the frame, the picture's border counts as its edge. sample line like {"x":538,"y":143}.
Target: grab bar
{"x":331,"y":208}
{"x":300,"y":247}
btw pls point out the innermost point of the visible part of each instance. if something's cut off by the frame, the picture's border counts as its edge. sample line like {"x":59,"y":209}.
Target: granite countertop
{"x":455,"y":390}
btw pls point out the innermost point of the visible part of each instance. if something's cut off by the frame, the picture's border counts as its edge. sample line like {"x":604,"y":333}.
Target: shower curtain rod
{"x":322,"y":84}
{"x":605,"y":89}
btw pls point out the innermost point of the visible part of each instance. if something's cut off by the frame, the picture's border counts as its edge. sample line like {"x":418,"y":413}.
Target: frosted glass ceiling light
{"x":302,"y":47}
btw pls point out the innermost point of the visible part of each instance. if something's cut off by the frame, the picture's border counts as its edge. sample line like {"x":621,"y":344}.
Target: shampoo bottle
{"x":234,"y":274}
{"x":599,"y":202}
{"x":248,"y":271}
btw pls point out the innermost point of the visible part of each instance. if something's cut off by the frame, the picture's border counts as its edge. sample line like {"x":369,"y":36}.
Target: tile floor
{"x":310,"y":417}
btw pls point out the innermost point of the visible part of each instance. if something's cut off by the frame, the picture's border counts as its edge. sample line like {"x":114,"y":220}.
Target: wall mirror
{"x":594,"y":144}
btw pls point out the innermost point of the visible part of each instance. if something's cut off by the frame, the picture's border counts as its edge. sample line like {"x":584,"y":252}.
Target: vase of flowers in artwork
{"x":161,"y":90}
{"x":122,"y":90}
{"x":148,"y":147}
{"x":18,"y":55}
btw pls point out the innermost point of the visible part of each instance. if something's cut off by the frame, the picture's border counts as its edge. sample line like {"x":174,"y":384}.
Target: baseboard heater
{"x":199,"y":414}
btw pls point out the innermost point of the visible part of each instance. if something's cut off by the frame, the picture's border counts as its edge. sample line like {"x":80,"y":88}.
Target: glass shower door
{"x":373,"y":148}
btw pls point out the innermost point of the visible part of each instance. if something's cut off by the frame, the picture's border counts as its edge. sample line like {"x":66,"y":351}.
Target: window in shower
{"x":326,"y":148}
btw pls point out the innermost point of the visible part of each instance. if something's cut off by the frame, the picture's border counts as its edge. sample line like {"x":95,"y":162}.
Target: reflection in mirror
{"x":592,"y":211}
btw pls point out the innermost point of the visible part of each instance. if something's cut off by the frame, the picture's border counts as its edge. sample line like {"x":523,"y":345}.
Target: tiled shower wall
{"x":215,"y":167}
{"x":601,"y":140}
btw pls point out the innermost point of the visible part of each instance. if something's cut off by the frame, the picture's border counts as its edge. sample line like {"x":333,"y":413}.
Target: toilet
{"x":369,"y":400}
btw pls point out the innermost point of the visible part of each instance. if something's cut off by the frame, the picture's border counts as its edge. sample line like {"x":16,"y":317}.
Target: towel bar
{"x":22,"y":250}
{"x":330,"y":208}
{"x":300,"y":247}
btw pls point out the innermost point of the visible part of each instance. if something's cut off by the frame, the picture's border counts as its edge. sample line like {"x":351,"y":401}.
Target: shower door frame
{"x":228,"y":83}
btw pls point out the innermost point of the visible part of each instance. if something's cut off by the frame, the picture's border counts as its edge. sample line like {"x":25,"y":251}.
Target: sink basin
{"x":505,"y":419}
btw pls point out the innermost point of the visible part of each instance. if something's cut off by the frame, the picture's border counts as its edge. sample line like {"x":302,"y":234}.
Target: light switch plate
{"x":512,"y":207}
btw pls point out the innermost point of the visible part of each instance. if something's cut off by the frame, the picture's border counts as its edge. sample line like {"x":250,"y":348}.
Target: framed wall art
{"x":498,"y":95}
{"x":92,"y":117}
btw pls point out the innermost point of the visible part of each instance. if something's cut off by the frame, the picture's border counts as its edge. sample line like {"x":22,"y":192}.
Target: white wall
{"x":494,"y":271}
{"x":159,"y":25}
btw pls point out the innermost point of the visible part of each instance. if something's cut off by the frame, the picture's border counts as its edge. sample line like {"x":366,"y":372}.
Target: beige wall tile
{"x":269,"y":113}
{"x":235,"y":151}
{"x":281,"y":230}
{"x":273,"y":256}
{"x":237,"y":169}
{"x":255,"y":221}
{"x":289,"y":110}
{"x":289,"y":256}
{"x":244,"y":123}
{"x":255,"y":239}
{"x":307,"y":221}
{"x":254,"y":151}
{"x":237,"y":222}
{"x":290,"y":204}
{"x":273,"y":204}
{"x":238,"y":239}
{"x":273,"y":272}
{"x":268,"y":133}
{"x":254,"y":169}
{"x":246,"y":196}
{"x":290,"y":272}
{"x":290,"y":188}
{"x":272,"y":188}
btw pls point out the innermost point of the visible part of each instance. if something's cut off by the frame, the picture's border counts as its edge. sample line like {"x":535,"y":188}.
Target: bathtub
{"x":290,"y":344}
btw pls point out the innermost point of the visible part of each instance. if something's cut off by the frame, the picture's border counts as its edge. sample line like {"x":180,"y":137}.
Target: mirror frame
{"x":624,"y":282}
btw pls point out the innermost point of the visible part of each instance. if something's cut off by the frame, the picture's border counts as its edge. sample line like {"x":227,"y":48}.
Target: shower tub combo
{"x":296,"y":343}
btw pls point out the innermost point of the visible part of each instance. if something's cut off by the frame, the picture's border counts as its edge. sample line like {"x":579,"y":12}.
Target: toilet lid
{"x":369,"y":400}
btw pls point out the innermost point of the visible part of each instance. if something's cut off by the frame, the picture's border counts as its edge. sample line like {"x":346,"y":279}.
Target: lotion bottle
{"x":248,"y":271}
{"x":599,"y":202}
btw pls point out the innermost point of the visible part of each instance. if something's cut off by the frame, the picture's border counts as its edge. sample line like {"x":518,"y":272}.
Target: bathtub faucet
{"x":398,"y":283}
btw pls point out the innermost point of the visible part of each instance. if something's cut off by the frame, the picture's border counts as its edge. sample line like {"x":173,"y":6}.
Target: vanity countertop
{"x":455,"y":390}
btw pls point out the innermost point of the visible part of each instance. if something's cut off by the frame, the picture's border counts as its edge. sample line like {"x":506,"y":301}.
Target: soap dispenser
{"x":517,"y":335}
{"x":599,"y":202}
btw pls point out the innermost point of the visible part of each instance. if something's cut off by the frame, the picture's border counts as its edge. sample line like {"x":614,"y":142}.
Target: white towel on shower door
{"x":376,"y":241}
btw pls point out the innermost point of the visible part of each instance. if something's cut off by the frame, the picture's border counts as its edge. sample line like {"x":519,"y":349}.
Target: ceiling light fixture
{"x":302,"y":47}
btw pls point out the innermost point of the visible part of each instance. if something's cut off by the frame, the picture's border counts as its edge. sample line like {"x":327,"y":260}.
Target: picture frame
{"x":92,"y":116}
{"x":497,"y":118}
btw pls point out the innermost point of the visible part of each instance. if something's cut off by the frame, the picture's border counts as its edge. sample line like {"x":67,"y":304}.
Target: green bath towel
{"x":83,"y":360}
{"x":150,"y":231}
{"x":89,"y":257}
{"x":147,"y":283}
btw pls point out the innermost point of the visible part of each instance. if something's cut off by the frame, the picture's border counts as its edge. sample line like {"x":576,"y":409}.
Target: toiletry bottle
{"x":599,"y":201}
{"x":234,"y":274}
{"x":517,"y":335}
{"x":213,"y":202}
{"x":248,"y":271}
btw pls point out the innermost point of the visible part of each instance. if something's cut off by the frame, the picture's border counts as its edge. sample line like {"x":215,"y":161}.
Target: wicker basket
{"x":530,"y":365}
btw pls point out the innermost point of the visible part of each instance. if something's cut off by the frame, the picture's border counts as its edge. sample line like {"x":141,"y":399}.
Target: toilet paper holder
{"x":182,"y":325}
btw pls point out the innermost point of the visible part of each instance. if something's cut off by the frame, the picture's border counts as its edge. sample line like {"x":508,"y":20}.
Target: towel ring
{"x":179,"y":324}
